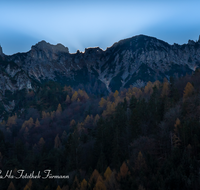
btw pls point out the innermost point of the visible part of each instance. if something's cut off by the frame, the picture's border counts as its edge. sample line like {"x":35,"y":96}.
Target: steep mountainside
{"x":132,"y":61}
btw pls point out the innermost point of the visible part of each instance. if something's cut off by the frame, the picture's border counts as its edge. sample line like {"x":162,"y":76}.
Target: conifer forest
{"x":135,"y":138}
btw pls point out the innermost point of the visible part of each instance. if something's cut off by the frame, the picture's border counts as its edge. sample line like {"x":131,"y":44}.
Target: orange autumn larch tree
{"x":37,"y":123}
{"x":100,"y":184}
{"x":189,"y":89}
{"x":165,"y":89}
{"x":57,"y":142}
{"x":140,"y":162}
{"x":58,"y":188}
{"x":148,"y":89}
{"x":59,"y":110}
{"x":108,"y":173}
{"x":124,"y":171}
{"x":28,"y":185}
{"x":84,"y":185}
{"x":11,"y":186}
{"x":102,"y":102}
{"x":74,"y":96}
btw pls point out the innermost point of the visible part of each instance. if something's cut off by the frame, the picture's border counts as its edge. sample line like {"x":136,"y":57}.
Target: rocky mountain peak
{"x":45,"y":46}
{"x":45,"y":51}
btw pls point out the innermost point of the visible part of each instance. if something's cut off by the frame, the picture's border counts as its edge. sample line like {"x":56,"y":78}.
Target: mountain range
{"x":133,"y":61}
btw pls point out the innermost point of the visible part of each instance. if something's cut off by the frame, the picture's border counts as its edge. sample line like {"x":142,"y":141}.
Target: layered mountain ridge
{"x":133,"y":61}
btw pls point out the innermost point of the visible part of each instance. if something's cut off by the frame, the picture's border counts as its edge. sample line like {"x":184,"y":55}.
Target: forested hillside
{"x":137,"y":138}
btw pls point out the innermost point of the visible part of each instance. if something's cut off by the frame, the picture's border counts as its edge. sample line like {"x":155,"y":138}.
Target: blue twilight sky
{"x":79,"y":24}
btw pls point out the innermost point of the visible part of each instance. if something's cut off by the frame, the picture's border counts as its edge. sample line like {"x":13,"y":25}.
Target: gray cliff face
{"x":132,"y":61}
{"x":13,"y":79}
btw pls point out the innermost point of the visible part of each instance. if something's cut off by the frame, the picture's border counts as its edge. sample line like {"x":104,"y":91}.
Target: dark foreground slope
{"x":140,"y":138}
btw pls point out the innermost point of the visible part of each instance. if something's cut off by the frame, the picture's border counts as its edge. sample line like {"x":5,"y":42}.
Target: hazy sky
{"x":79,"y":24}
